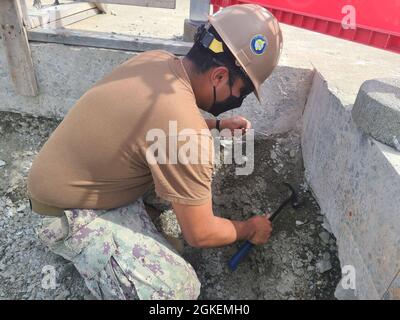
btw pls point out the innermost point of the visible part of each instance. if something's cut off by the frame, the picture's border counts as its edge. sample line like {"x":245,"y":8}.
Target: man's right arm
{"x":202,"y":229}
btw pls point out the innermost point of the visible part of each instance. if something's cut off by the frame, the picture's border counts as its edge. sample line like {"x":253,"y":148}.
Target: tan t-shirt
{"x":96,"y":158}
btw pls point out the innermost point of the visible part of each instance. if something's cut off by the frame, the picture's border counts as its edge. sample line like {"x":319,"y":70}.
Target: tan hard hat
{"x":253,"y":36}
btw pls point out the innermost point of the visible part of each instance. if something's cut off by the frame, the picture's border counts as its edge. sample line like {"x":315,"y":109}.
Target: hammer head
{"x":294,"y":198}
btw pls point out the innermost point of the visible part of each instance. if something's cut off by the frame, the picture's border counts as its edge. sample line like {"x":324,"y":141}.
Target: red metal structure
{"x":377,"y":22}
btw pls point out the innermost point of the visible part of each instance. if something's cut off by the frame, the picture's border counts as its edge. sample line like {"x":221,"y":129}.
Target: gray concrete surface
{"x":283,"y":97}
{"x":64,"y":74}
{"x":356,"y":181}
{"x":377,"y":110}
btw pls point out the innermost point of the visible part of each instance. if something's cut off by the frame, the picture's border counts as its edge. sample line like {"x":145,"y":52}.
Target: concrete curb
{"x":377,"y":110}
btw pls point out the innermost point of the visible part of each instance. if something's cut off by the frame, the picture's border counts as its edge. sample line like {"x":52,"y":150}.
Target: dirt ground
{"x":299,"y":262}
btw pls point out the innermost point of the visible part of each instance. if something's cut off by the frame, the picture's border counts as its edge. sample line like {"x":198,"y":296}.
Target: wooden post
{"x":24,"y":11}
{"x":14,"y":37}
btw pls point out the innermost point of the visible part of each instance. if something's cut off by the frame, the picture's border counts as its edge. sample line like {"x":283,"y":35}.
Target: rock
{"x":219,"y":200}
{"x":63,"y":295}
{"x":2,"y":163}
{"x":324,"y":236}
{"x":297,"y":264}
{"x":298,"y":272}
{"x":21,"y":208}
{"x":323,"y":266}
{"x":326,"y":256}
{"x":282,"y":289}
{"x":376,"y":110}
{"x":89,"y":296}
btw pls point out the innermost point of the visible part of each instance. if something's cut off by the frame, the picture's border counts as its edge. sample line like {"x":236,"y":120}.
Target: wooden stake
{"x":14,"y":37}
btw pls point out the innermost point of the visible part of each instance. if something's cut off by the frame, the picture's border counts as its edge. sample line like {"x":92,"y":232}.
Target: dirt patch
{"x":299,"y":262}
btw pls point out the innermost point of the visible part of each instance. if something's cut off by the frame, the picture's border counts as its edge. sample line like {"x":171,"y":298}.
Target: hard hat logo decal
{"x":258,"y":44}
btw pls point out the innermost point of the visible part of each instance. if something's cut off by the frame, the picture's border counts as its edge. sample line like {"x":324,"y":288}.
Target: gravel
{"x":293,"y":264}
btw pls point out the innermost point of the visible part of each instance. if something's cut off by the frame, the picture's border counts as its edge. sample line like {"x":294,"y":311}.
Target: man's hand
{"x":261,"y":229}
{"x":202,"y":229}
{"x":236,"y":122}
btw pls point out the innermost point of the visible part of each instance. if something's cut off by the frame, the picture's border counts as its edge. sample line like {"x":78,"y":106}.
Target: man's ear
{"x":219,"y":75}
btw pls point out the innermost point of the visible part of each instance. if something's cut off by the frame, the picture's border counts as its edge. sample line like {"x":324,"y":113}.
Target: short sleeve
{"x":182,"y":168}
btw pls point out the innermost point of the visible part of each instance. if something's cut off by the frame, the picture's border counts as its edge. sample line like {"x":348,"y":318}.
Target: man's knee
{"x":189,"y":287}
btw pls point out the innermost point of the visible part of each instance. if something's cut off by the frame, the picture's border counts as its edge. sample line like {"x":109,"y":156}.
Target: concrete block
{"x":356,"y":181}
{"x":377,"y":110}
{"x":189,"y":29}
{"x":283,"y":98}
{"x":64,"y":74}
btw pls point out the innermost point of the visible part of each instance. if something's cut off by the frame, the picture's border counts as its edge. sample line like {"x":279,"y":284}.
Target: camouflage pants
{"x":120,"y":254}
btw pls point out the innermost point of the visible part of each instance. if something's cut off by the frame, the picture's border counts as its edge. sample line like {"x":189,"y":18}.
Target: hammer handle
{"x":240,"y":254}
{"x":247,"y":246}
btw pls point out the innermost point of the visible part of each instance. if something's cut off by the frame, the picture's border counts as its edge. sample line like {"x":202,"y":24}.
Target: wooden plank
{"x":45,"y":22}
{"x":59,"y":23}
{"x":47,"y":15}
{"x":107,"y":40}
{"x":14,"y":37}
{"x":168,"y":4}
{"x":65,"y":10}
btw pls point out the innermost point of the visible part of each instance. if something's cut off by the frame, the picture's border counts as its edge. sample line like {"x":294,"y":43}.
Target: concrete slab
{"x":356,"y":182}
{"x":377,"y":110}
{"x":64,"y":73}
{"x":283,"y":96}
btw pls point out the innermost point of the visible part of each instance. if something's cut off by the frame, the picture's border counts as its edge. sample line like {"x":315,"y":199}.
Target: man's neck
{"x":194,"y":77}
{"x":190,"y":70}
